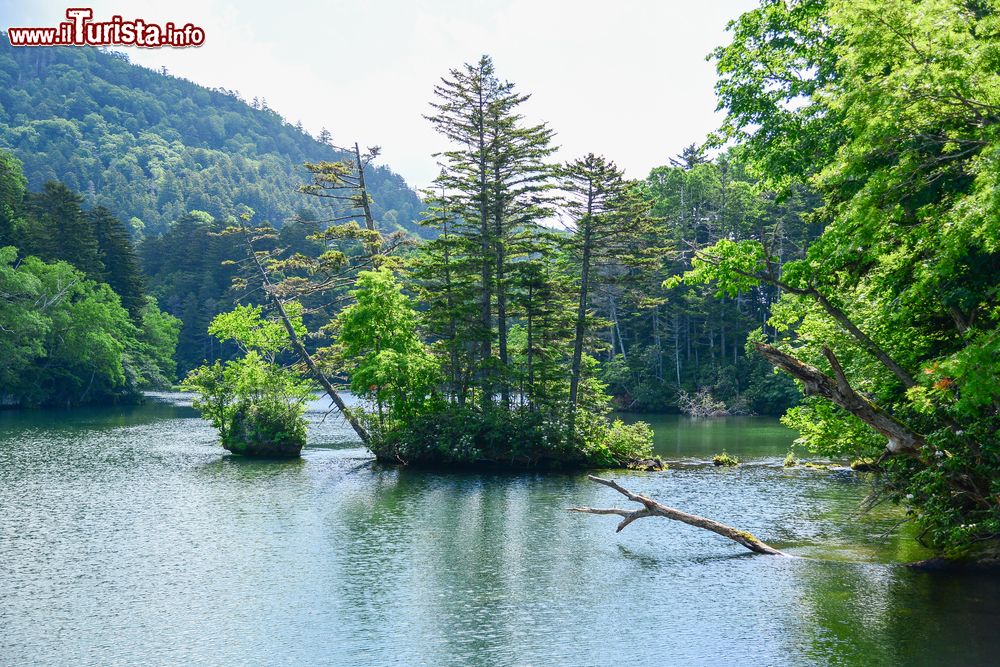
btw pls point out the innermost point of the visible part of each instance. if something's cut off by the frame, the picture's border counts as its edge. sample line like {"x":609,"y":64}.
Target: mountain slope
{"x":152,"y":147}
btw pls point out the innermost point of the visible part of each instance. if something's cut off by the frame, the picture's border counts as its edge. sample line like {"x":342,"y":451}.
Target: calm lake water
{"x":129,"y":537}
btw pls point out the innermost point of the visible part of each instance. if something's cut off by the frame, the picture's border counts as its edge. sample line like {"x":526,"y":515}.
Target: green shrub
{"x":725,"y":459}
{"x":449,"y":434}
{"x":256,"y":404}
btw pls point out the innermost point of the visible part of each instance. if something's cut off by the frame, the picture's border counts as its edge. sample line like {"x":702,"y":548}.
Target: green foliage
{"x":121,"y":264}
{"x":57,"y":229}
{"x":378,"y":346}
{"x":671,"y":334}
{"x":68,"y":340}
{"x":724,"y":459}
{"x":732,"y":266}
{"x":189,"y":270}
{"x":244,"y":326}
{"x":12,"y":188}
{"x":896,"y":119}
{"x":66,"y":337}
{"x":781,"y":56}
{"x":159,"y":332}
{"x":255,"y":403}
{"x":453,"y":435}
{"x":503,"y":383}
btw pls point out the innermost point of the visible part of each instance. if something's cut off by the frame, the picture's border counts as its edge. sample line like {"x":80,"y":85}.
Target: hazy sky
{"x":626,"y":78}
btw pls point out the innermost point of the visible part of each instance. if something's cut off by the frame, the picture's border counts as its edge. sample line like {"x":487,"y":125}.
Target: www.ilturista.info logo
{"x":80,"y":30}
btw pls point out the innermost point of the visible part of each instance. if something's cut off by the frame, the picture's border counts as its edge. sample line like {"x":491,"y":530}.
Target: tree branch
{"x":902,"y":439}
{"x":653,"y":508}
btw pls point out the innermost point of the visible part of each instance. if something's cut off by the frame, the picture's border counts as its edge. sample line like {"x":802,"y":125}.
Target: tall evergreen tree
{"x":494,"y":182}
{"x":59,"y":230}
{"x":611,"y":223}
{"x":121,"y":265}
{"x":443,"y":274}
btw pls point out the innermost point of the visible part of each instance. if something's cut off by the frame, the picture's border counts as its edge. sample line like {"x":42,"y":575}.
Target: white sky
{"x":626,"y":78}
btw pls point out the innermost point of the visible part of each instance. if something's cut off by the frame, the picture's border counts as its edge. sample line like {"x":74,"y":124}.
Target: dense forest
{"x":100,"y":126}
{"x":250,"y":376}
{"x":678,"y":346}
{"x":78,"y":325}
{"x":172,"y":160}
{"x":152,"y":147}
{"x":848,"y":236}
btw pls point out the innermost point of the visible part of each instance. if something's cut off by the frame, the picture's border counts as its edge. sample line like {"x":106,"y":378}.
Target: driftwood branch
{"x":652,"y":508}
{"x":902,"y":439}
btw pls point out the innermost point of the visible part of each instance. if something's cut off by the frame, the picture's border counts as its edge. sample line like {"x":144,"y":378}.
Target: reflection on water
{"x":127,"y":536}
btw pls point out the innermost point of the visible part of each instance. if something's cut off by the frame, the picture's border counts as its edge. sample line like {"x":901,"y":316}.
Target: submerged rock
{"x":654,"y":464}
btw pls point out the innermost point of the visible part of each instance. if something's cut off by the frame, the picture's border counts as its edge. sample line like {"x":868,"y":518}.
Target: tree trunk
{"x":300,"y":349}
{"x":902,"y":439}
{"x":369,"y":220}
{"x":677,"y":349}
{"x":653,"y":508}
{"x":501,"y":308}
{"x":581,"y":317}
{"x":529,"y":350}
{"x":880,"y":354}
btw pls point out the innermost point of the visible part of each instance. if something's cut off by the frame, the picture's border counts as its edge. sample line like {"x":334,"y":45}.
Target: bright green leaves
{"x":250,"y":332}
{"x":378,"y":345}
{"x":732,"y":266}
{"x":255,"y":403}
{"x":968,"y":382}
{"x":903,"y":98}
{"x":770,"y":82}
{"x":68,"y":340}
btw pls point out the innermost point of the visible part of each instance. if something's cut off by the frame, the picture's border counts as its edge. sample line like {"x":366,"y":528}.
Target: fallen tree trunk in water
{"x":653,"y":508}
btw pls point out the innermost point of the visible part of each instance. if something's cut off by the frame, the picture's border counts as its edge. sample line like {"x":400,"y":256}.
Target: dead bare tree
{"x":652,"y":508}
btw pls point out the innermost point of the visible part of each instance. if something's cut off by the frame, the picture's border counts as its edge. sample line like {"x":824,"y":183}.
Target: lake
{"x":129,"y":537}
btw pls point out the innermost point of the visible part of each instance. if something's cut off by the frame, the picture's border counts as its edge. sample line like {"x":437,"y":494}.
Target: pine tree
{"x":494,"y":182}
{"x":611,"y":227}
{"x":120,"y":261}
{"x":443,"y":274}
{"x":59,"y":230}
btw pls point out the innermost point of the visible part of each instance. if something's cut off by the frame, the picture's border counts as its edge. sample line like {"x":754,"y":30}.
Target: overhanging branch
{"x":902,"y":439}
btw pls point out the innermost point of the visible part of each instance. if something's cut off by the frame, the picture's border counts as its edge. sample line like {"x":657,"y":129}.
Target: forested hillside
{"x":152,"y":147}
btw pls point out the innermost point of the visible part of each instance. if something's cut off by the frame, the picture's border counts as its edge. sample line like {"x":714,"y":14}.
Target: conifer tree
{"x":59,"y":230}
{"x":121,"y":266}
{"x":611,"y":225}
{"x":494,"y":184}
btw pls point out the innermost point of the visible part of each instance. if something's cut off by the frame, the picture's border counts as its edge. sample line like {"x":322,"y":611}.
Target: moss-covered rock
{"x":725,"y":459}
{"x":258,"y":431}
